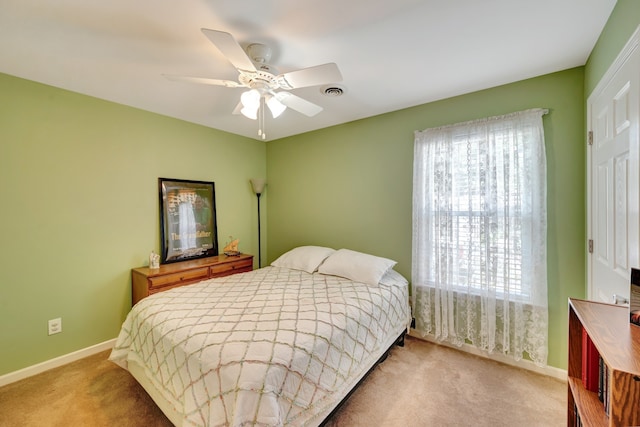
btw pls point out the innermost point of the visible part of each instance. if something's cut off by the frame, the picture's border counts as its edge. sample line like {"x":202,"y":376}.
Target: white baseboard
{"x":549,"y":371}
{"x":107,"y":345}
{"x":29,"y":371}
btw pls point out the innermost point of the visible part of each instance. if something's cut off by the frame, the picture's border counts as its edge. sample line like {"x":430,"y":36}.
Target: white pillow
{"x":357,"y":266}
{"x":305,"y":258}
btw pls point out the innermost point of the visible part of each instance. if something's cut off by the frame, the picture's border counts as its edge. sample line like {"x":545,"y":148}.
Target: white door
{"x":613,"y":177}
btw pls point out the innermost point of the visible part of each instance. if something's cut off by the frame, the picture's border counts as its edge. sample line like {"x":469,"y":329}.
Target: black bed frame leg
{"x":400,"y":341}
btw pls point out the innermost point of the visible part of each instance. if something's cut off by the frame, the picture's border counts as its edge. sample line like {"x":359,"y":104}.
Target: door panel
{"x":612,"y":212}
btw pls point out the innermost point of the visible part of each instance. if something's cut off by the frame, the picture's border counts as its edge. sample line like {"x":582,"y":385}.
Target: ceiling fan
{"x":266,"y":86}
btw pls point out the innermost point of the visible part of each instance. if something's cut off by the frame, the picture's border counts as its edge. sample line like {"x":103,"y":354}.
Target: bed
{"x":275,"y":346}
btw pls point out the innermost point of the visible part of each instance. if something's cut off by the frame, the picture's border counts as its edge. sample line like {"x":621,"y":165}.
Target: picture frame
{"x":634,"y":297}
{"x":188,"y":225}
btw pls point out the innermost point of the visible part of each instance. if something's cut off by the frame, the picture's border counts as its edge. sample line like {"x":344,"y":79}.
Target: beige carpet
{"x":421,"y":384}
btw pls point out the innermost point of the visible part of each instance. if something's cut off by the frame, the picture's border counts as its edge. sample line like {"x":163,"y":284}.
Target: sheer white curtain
{"x":479,"y":269}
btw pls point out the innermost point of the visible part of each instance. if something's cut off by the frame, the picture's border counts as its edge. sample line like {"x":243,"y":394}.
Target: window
{"x":480,"y":228}
{"x":479,"y":221}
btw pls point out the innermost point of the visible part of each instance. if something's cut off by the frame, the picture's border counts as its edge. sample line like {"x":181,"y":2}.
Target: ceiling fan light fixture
{"x":250,"y":113}
{"x":250,"y":99}
{"x":275,"y":106}
{"x":263,"y":80}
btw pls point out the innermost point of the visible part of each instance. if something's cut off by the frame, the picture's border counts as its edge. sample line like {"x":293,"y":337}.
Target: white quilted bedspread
{"x":270,"y":347}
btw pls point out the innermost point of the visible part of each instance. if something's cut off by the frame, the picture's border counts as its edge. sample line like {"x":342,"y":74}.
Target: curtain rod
{"x":542,"y":111}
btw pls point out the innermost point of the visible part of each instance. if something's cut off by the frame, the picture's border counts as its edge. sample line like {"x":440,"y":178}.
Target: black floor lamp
{"x":258,"y":187}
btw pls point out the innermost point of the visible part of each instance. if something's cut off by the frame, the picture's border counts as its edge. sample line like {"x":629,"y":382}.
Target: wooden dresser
{"x":146,"y":281}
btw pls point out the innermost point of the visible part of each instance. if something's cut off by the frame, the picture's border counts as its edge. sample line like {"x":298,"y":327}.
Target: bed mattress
{"x":270,"y":347}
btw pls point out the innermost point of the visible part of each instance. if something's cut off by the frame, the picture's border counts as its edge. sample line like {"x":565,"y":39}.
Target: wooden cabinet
{"x":618,"y":343}
{"x":146,"y":281}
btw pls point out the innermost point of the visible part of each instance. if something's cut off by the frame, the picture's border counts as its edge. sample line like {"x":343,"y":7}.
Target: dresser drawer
{"x":146,"y":281}
{"x":233,"y":267}
{"x":186,"y":276}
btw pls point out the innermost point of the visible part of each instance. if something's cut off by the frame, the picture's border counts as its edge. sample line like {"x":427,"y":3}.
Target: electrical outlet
{"x":55,"y":326}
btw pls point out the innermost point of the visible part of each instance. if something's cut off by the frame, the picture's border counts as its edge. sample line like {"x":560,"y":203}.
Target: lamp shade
{"x":275,"y":106}
{"x":250,"y":113}
{"x":250,"y":99}
{"x":258,"y":185}
{"x":250,"y":102}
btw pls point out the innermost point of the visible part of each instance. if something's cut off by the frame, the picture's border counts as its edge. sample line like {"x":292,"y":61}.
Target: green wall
{"x":623,"y":21}
{"x":78,"y":183}
{"x":350,"y":185}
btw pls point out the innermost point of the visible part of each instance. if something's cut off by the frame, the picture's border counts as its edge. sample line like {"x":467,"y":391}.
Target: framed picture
{"x":634,"y":297}
{"x":188,"y":225}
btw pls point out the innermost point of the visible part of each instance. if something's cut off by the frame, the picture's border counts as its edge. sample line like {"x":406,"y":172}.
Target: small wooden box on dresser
{"x":618,"y":345}
{"x":146,"y":281}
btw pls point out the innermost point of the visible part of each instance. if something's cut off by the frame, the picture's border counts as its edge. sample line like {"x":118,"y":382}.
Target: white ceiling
{"x":392,"y":54}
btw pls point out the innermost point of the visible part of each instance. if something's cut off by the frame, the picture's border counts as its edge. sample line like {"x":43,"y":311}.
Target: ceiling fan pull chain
{"x":261,"y":132}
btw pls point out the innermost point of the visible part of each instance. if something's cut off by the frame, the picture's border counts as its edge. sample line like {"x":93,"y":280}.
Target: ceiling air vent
{"x":333,"y":91}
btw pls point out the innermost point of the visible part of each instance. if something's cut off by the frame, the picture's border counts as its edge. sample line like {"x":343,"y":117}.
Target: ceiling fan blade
{"x":203,"y":80}
{"x":296,"y":103}
{"x":312,"y":76}
{"x":238,"y":108}
{"x":230,"y":48}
